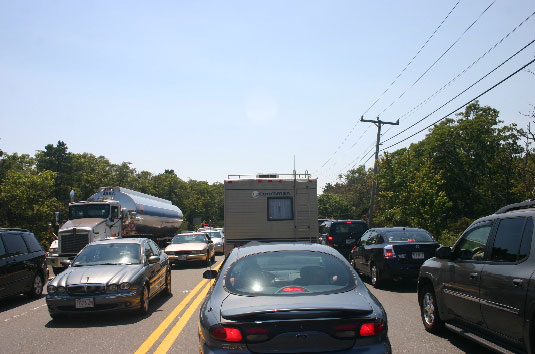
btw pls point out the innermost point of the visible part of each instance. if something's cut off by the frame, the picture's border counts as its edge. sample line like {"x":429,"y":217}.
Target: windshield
{"x":213,"y":234}
{"x":288,"y":273}
{"x":109,"y":253}
{"x":409,"y":236}
{"x":348,"y":229}
{"x":189,"y":238}
{"x":89,"y":211}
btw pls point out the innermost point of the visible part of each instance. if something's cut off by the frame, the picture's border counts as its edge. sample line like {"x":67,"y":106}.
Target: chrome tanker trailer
{"x":115,"y":212}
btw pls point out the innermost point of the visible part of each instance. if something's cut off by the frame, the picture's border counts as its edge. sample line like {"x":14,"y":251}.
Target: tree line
{"x":465,"y":168}
{"x":32,"y":188}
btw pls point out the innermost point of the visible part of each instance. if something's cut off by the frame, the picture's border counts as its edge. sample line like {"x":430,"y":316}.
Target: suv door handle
{"x":517,"y":282}
{"x":473,"y":276}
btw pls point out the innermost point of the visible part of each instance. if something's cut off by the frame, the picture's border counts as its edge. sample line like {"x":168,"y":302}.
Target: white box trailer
{"x":270,"y":208}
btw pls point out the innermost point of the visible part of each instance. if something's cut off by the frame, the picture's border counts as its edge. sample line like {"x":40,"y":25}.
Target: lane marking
{"x":156,"y":334}
{"x":23,"y":314}
{"x":171,"y":337}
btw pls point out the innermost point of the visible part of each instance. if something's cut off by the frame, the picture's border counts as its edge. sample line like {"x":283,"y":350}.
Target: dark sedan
{"x":290,"y":298}
{"x":392,"y":253}
{"x":118,"y":274}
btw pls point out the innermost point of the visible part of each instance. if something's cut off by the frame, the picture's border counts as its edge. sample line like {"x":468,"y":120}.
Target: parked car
{"x":22,"y":264}
{"x":291,"y":298}
{"x":114,"y":274}
{"x":484,"y":286}
{"x":196,"y":246}
{"x":342,"y":235}
{"x":393,"y":253}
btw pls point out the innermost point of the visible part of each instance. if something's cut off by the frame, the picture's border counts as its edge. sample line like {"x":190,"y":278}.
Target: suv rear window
{"x":14,"y":243}
{"x":288,"y":273}
{"x":31,"y":241}
{"x":348,"y":229}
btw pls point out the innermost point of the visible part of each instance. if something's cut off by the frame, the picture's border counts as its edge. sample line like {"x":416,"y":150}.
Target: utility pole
{"x":378,"y":123}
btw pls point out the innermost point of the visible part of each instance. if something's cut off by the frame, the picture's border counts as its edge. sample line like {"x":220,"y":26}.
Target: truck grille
{"x":73,"y":243}
{"x":83,"y":289}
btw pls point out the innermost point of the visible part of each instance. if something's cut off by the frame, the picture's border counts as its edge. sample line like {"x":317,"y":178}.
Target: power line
{"x":466,"y":69}
{"x":463,"y":91}
{"x":391,"y":84}
{"x":440,"y":57}
{"x":414,"y":57}
{"x":467,"y":103}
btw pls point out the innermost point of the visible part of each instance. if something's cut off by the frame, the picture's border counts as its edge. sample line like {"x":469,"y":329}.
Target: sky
{"x":212,"y":88}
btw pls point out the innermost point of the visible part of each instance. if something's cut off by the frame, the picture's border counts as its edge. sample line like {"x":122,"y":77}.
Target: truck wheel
{"x":375,"y":276}
{"x":429,"y":310}
{"x":144,"y":301}
{"x":37,"y":287}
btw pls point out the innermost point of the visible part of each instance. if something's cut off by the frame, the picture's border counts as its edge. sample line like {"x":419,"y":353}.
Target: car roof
{"x":258,"y":247}
{"x":121,"y":240}
{"x":191,"y":233}
{"x":348,"y":220}
{"x":397,"y":228}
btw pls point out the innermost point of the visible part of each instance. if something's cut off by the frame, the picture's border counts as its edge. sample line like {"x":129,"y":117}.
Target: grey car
{"x":118,"y":274}
{"x":291,"y":298}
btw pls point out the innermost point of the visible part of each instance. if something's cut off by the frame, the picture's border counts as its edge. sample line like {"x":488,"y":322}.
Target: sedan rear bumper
{"x":188,"y":257}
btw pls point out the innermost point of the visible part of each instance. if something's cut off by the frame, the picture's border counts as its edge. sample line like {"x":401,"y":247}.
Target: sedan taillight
{"x":388,"y":252}
{"x":226,"y":334}
{"x":372,"y":328}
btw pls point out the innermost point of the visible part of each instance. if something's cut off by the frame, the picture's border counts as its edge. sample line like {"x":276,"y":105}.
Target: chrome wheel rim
{"x":428,"y":307}
{"x":374,"y":275}
{"x":37,"y":285}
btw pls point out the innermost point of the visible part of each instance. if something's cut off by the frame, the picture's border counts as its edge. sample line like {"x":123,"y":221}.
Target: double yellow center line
{"x":170,"y":338}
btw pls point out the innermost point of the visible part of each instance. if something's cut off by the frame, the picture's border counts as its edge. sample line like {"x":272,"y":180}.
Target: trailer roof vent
{"x":267,"y":175}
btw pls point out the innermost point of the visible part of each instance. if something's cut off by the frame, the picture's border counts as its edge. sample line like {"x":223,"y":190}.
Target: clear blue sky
{"x":210,"y":88}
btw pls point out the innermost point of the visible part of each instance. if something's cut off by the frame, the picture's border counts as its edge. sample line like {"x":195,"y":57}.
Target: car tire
{"x":212,"y":260}
{"x":208,"y":260}
{"x":429,"y":310}
{"x":144,"y":301}
{"x":375,"y":276}
{"x":168,"y":284}
{"x":37,"y":287}
{"x":352,"y":261}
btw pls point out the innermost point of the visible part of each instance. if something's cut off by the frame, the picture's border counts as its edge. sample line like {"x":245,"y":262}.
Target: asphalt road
{"x":171,"y":325}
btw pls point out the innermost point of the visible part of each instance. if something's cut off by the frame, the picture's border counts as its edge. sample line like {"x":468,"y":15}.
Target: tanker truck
{"x":114,"y":212}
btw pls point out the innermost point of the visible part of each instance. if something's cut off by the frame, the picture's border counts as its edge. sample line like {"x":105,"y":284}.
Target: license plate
{"x":84,"y":303}
{"x":350,"y":241}
{"x":181,"y":258}
{"x":418,"y":255}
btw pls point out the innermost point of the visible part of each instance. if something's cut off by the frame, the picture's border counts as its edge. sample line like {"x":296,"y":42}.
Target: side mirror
{"x":209,"y":274}
{"x":153,"y":259}
{"x":443,"y":252}
{"x":65,"y":263}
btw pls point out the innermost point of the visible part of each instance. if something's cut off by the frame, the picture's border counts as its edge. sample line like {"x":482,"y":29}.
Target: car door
{"x":19,"y":271}
{"x":463,"y":276}
{"x":152,"y":272}
{"x":359,"y":254}
{"x":160,"y":281}
{"x":504,"y":280}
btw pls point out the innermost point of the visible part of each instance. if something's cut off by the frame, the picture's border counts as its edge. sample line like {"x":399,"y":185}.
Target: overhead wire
{"x":439,"y":58}
{"x":460,"y":107}
{"x":391,"y":84}
{"x":463,"y":91}
{"x":465,"y":70}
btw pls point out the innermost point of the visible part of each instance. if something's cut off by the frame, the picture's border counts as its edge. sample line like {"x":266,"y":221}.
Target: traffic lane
{"x":405,"y":329}
{"x":26,"y":326}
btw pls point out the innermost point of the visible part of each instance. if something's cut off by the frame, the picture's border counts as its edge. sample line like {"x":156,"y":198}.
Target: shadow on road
{"x":106,"y":319}
{"x":15,"y":301}
{"x":191,"y":265}
{"x":402,"y":286}
{"x":463,"y":343}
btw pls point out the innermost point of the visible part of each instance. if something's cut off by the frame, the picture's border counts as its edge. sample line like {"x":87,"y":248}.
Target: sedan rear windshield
{"x":287,"y":273}
{"x":348,"y":229}
{"x":109,"y":253}
{"x":409,"y":236}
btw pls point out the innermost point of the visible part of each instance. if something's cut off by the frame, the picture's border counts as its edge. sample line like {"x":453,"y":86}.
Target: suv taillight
{"x":388,"y":252}
{"x":330,"y":240}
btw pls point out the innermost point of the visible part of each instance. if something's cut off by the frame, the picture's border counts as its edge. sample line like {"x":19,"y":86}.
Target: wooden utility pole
{"x":378,"y":123}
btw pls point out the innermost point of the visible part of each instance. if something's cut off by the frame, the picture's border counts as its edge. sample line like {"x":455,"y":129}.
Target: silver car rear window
{"x":287,"y":273}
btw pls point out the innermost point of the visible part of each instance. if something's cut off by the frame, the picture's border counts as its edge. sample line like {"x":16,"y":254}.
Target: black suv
{"x":22,"y":264}
{"x":342,"y":235}
{"x":484,"y":286}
